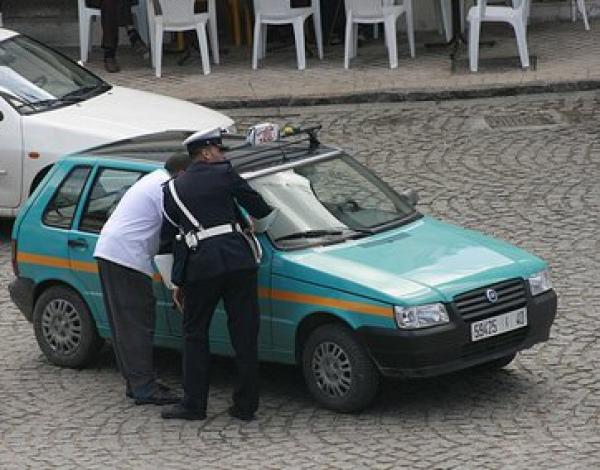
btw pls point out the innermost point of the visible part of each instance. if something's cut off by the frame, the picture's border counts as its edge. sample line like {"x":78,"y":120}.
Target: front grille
{"x":474,"y":305}
{"x":504,"y":341}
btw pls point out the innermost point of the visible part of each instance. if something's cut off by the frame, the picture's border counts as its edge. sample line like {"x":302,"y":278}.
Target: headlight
{"x":540,"y":282}
{"x":422,"y":316}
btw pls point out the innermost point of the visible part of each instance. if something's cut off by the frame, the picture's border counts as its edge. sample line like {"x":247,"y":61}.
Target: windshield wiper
{"x":309,"y":234}
{"x":405,"y":219}
{"x":362,"y":231}
{"x":85,"y":92}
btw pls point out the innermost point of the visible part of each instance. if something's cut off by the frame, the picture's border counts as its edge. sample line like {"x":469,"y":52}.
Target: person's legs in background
{"x":109,"y":17}
{"x":133,"y":34}
{"x":113,"y":14}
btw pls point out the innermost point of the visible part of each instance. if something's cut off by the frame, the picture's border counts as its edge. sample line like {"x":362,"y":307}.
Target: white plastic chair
{"x":279,"y":12}
{"x":177,"y":15}
{"x":88,"y":14}
{"x":516,"y":16}
{"x":212,"y":24}
{"x":579,"y":5}
{"x":374,"y":12}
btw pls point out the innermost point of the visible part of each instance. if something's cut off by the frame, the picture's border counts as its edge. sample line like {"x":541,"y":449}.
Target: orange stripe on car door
{"x":64,"y":263}
{"x":288,"y":296}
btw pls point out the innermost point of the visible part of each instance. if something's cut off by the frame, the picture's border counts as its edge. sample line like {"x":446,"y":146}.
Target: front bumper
{"x":21,"y":292}
{"x":443,"y":349}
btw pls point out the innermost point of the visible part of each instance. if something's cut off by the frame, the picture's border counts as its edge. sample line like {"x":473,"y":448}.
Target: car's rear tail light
{"x":13,"y":248}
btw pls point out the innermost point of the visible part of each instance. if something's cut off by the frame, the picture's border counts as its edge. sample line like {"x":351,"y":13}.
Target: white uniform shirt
{"x":131,"y":235}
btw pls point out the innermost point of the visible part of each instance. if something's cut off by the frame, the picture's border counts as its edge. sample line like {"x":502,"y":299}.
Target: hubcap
{"x":332,"y":369}
{"x":61,"y":326}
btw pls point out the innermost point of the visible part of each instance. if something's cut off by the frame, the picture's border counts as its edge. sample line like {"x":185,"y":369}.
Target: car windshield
{"x":42,"y":78}
{"x":329,"y":201}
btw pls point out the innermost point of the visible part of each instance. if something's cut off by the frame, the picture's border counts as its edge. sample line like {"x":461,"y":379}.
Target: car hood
{"x":119,"y":113}
{"x":425,"y":261}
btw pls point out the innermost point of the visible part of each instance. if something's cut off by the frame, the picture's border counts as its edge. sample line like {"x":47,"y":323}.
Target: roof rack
{"x":293,"y":147}
{"x":278,"y":149}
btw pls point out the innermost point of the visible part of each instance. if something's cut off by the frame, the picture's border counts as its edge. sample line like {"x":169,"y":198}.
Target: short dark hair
{"x":177,"y":163}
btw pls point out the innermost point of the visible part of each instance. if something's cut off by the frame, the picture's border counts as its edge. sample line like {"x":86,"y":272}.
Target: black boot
{"x":110,"y":61}
{"x":179,"y":411}
{"x":136,"y":42}
{"x":235,"y":412}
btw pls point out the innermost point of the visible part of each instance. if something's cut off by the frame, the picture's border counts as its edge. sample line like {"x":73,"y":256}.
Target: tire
{"x":338,"y":372}
{"x":64,"y":328}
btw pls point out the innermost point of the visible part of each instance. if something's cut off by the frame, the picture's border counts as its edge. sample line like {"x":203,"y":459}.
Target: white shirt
{"x":131,"y":235}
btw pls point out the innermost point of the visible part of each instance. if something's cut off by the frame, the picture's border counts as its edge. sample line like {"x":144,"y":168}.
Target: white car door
{"x":11,"y":156}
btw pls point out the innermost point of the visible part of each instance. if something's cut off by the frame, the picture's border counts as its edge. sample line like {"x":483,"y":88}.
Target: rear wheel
{"x":338,"y":371}
{"x":65,"y":329}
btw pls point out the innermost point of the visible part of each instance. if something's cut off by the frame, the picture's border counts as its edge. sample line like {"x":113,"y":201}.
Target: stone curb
{"x":397,"y":96}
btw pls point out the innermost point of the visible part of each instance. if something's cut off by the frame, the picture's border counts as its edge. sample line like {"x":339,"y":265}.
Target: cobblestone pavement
{"x":565,"y":53}
{"x":535,"y":185}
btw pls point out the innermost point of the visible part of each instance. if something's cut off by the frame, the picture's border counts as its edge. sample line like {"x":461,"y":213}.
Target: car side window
{"x":109,"y":188}
{"x":60,"y":210}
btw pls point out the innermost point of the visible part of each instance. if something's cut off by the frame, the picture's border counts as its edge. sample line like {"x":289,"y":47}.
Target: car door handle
{"x":78,"y":243}
{"x":3,"y":172}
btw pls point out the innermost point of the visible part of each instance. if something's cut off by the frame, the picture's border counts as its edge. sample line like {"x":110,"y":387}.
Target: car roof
{"x":155,"y":149}
{"x":7,"y":33}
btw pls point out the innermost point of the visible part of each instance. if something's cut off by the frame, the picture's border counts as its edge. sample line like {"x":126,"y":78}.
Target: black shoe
{"x":178,"y":411}
{"x":136,"y":43}
{"x":161,"y":396}
{"x":237,"y":413}
{"x":111,"y":65}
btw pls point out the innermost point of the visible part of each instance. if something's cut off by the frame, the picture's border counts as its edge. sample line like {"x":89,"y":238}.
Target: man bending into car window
{"x":124,"y":252}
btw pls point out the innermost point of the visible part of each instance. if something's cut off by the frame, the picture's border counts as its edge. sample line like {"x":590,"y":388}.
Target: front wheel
{"x":338,"y":371}
{"x":65,"y":329}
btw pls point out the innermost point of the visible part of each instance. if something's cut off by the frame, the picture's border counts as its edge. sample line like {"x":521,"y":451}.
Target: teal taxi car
{"x":354,"y":282}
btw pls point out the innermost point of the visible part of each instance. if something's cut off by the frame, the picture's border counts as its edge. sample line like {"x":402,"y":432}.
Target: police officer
{"x":220,"y":264}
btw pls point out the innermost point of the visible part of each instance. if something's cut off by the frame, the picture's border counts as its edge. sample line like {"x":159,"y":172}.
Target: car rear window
{"x":109,"y":187}
{"x":60,"y":210}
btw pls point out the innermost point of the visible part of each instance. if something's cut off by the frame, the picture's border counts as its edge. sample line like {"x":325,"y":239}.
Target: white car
{"x":50,"y":106}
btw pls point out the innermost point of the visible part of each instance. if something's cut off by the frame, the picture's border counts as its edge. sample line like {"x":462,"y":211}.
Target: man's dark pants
{"x":130,"y":309}
{"x":238,"y":289}
{"x":114,"y":13}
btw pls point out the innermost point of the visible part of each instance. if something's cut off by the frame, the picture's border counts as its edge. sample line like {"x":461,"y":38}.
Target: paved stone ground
{"x":535,"y":186}
{"x":566,"y":54}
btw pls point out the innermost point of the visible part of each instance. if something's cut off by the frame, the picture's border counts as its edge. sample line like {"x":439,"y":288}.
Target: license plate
{"x":500,"y":324}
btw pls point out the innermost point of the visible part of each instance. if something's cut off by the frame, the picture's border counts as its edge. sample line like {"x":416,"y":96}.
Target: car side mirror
{"x":412,"y":196}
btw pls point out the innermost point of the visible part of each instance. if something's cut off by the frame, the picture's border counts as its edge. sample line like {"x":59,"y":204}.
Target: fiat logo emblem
{"x":491,"y":295}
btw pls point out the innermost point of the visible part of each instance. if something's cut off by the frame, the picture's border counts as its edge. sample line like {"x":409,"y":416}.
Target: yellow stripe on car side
{"x":274,"y":294}
{"x":63,"y":263}
{"x":295,"y":297}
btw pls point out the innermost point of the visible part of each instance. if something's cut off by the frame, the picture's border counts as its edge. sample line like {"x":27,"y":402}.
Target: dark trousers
{"x":238,"y":289}
{"x":130,"y":308}
{"x":114,"y":13}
